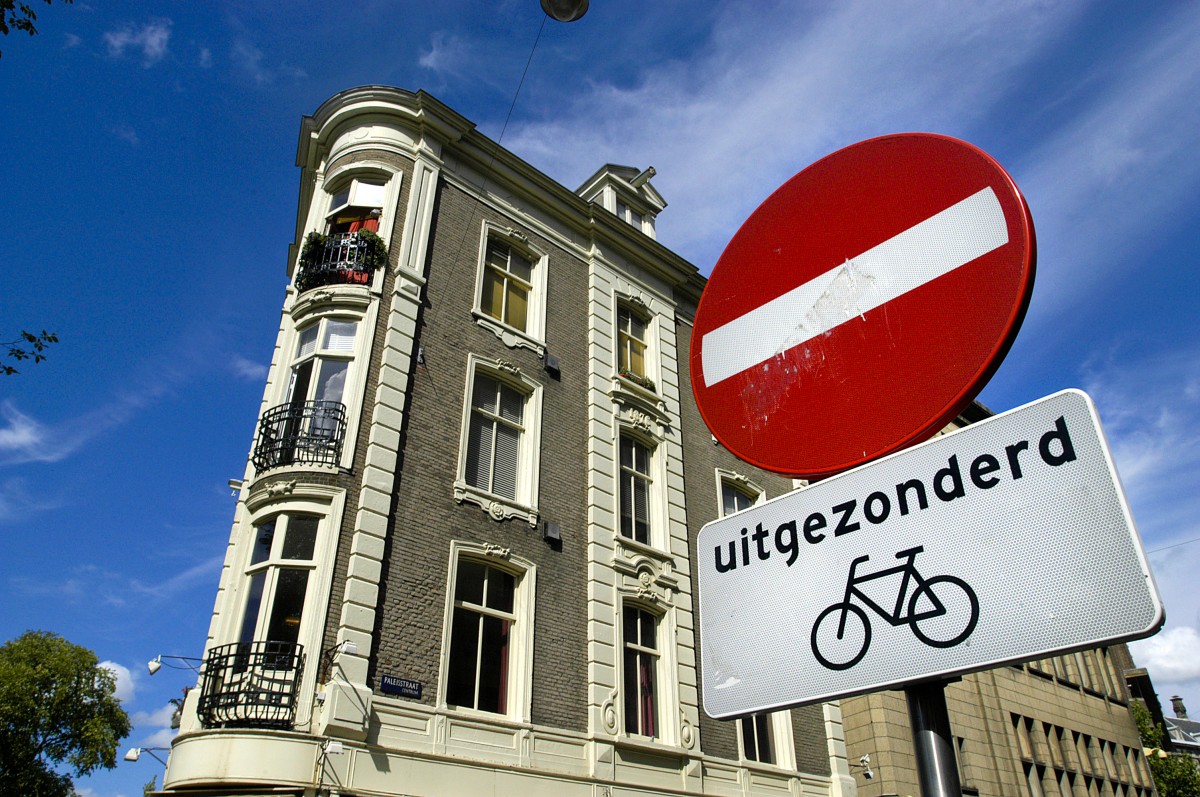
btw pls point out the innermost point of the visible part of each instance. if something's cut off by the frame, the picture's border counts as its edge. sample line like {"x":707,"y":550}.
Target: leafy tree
{"x":1174,"y":776}
{"x":57,"y":709}
{"x":19,"y":16}
{"x":26,"y":347}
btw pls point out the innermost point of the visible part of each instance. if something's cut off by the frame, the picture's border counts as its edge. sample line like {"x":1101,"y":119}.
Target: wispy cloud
{"x":248,"y":369}
{"x":149,"y":39}
{"x":1173,"y":656}
{"x":24,"y":439}
{"x":204,"y":59}
{"x":771,"y":93}
{"x":18,"y":501}
{"x":126,"y":133}
{"x":446,"y":54}
{"x":253,"y":62}
{"x":92,"y":584}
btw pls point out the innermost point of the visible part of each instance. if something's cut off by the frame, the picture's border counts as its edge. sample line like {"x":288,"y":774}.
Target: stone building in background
{"x":461,"y":557}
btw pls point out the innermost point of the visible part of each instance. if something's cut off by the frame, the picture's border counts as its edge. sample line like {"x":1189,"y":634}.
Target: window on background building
{"x":507,"y":285}
{"x":734,"y":498}
{"x":494,"y":437}
{"x":641,"y":681}
{"x":356,"y":207}
{"x":631,"y":345}
{"x":629,"y":215}
{"x":281,"y":563}
{"x":758,"y":738}
{"x":635,"y":488}
{"x":479,"y":673}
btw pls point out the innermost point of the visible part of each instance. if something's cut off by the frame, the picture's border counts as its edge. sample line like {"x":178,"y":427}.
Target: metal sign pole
{"x":932,"y":742}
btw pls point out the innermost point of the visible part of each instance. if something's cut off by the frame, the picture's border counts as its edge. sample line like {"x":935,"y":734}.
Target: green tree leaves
{"x":1175,"y":775}
{"x":58,"y":709}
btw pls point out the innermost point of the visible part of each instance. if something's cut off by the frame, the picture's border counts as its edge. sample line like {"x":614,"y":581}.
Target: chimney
{"x":1177,"y":705}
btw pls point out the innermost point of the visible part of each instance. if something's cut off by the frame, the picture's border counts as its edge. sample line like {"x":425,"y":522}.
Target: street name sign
{"x":1005,"y":541}
{"x":863,"y":305}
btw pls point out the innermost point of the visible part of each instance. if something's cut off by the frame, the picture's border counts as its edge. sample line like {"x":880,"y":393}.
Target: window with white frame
{"x":640,"y":677}
{"x":356,"y":206}
{"x":507,"y":285}
{"x":630,"y":216}
{"x":511,"y":289}
{"x":632,"y":337}
{"x":494,"y":433}
{"x":758,"y":742}
{"x":734,"y":499}
{"x":635,"y":488}
{"x":279,"y":570}
{"x":498,"y":459}
{"x":489,"y":633}
{"x":324,"y":353}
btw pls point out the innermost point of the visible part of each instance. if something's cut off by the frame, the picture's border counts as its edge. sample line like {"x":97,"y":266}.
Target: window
{"x":356,"y":207}
{"x":507,"y":284}
{"x":631,"y":346}
{"x":281,"y":562}
{"x":323,"y":355}
{"x":488,"y":653}
{"x":498,"y":459}
{"x":480,"y":636}
{"x":635,"y":484}
{"x":758,"y":742}
{"x":629,"y":215}
{"x":734,"y":499}
{"x":494,"y":436}
{"x":511,"y":289}
{"x":641,"y":658}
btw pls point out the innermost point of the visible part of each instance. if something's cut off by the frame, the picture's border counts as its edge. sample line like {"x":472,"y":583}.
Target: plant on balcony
{"x":637,"y":379}
{"x":324,"y":258}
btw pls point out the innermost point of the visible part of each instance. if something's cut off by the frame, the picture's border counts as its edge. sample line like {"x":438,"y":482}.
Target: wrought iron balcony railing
{"x":251,"y":685}
{"x":348,"y":258}
{"x":300,"y":433}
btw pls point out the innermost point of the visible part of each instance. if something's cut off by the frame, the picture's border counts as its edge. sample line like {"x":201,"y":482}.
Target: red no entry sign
{"x":863,"y":305}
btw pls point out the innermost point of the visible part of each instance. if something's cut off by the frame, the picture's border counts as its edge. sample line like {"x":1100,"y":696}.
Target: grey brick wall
{"x":426,"y":518}
{"x":701,"y":458}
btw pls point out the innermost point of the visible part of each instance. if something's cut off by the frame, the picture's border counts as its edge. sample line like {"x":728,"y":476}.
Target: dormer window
{"x":356,"y":207}
{"x":629,"y":215}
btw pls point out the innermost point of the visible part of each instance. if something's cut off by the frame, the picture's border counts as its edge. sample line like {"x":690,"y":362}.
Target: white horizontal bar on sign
{"x":930,"y":249}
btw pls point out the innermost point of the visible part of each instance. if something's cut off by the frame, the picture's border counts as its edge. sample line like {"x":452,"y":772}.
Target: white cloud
{"x":150,"y":39}
{"x":205,"y":58}
{"x":446,"y":54}
{"x":125,"y":680}
{"x":1173,"y":656}
{"x":251,"y":60}
{"x":248,"y":369}
{"x":125,"y":133}
{"x":21,"y":436}
{"x":18,"y":501}
{"x":771,"y":93}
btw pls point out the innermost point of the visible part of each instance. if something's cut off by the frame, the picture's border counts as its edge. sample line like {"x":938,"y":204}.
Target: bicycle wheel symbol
{"x":841,"y":636}
{"x":943,"y":611}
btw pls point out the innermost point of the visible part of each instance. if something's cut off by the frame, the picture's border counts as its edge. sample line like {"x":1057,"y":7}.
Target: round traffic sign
{"x":863,"y":305}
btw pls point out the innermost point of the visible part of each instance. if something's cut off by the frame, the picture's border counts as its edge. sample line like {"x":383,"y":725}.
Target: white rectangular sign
{"x":1006,"y":541}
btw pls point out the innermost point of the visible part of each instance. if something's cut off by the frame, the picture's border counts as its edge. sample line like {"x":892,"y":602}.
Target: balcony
{"x":307,"y":433}
{"x":349,"y":258}
{"x":251,"y":685}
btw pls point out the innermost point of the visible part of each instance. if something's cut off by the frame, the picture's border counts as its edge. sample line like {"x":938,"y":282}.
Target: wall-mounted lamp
{"x":864,"y":763}
{"x":346,"y":646}
{"x":136,"y":752}
{"x":189,"y":663}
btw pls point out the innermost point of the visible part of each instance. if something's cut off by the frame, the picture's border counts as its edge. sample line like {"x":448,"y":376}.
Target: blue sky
{"x":149,"y":194}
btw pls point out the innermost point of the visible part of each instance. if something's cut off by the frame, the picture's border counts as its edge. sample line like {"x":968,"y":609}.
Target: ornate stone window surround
{"x":520,"y":654}
{"x":289,"y":496}
{"x":524,"y":505}
{"x":646,"y":431}
{"x":533,"y":337}
{"x":672,"y":727}
{"x":328,"y":183}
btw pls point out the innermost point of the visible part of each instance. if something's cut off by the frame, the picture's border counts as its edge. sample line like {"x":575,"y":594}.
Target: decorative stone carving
{"x":687,"y":734}
{"x":277,"y":489}
{"x":507,"y":365}
{"x":608,"y":713}
{"x":491,"y":549}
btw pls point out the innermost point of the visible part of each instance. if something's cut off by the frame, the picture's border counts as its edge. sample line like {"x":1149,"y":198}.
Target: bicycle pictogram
{"x":942,"y":612}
